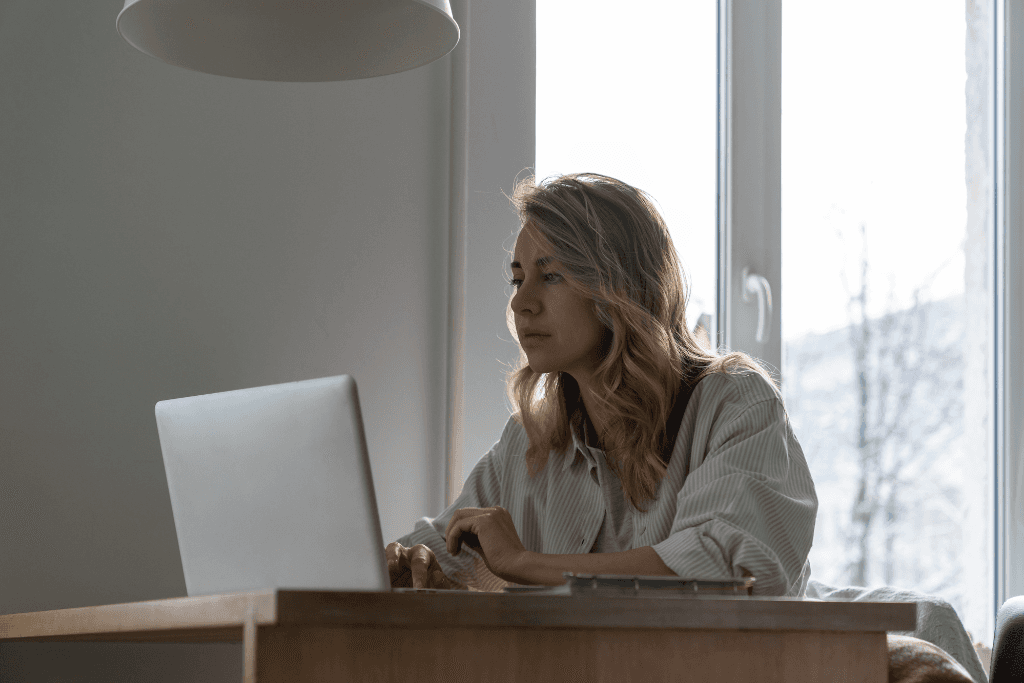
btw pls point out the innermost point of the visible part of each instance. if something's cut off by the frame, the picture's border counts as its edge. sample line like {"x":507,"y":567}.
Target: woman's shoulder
{"x":507,"y":452}
{"x":513,"y":441}
{"x":736,"y":403}
{"x":512,"y":447}
{"x":739,"y":389}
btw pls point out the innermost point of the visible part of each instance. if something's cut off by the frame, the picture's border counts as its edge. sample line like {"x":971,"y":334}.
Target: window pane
{"x":632,"y":94}
{"x":886,"y":215}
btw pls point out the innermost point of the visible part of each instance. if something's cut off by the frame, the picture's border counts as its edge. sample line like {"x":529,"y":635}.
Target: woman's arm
{"x":491,"y":532}
{"x":749,"y":507}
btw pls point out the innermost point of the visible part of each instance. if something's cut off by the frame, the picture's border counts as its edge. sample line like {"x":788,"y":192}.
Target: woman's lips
{"x":534,"y":337}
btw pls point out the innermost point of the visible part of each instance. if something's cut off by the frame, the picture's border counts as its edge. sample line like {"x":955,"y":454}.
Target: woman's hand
{"x":490,"y":532}
{"x":415,"y":567}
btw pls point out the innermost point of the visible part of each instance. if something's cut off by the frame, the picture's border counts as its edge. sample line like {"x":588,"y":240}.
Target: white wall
{"x":166,"y":233}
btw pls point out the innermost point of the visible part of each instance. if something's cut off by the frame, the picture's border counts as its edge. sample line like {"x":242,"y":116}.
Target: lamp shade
{"x":291,"y":40}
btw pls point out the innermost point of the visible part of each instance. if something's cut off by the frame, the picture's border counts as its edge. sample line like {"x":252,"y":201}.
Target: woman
{"x":592,"y":474}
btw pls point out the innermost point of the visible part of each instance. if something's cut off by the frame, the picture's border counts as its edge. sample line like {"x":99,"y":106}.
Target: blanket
{"x":937,"y":623}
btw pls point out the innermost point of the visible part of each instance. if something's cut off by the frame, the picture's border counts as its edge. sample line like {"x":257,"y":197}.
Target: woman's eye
{"x":550,"y":278}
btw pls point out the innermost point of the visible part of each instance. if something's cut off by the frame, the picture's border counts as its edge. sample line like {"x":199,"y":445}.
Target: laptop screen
{"x":271,"y":488}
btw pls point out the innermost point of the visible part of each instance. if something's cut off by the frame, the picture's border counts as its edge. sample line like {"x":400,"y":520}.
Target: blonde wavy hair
{"x":615,"y":249}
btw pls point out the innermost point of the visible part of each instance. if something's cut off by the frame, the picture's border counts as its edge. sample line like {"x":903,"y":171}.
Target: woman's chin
{"x":538,"y":366}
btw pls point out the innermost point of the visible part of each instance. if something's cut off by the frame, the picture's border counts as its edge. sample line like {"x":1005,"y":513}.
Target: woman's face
{"x":558,"y":329}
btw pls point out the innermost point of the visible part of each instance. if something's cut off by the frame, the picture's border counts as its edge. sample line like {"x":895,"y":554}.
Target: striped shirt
{"x":616,"y":532}
{"x":737,"y":498}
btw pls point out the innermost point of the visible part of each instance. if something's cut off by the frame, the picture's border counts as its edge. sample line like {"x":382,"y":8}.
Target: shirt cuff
{"x":714,"y":549}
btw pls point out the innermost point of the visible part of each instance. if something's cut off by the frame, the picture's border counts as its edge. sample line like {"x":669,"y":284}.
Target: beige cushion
{"x":912,"y":660}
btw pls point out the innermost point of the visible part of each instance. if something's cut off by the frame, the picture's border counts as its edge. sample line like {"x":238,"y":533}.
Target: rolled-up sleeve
{"x":481,"y":489}
{"x":748,"y":509}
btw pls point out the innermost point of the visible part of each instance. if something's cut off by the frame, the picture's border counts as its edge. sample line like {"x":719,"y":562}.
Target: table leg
{"x":249,"y":649}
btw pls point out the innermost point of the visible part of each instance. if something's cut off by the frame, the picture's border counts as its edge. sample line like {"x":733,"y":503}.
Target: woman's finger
{"x":459,"y":515}
{"x":462,"y":530}
{"x":392,"y":551}
{"x":438,"y":579}
{"x":391,"y":554}
{"x":451,"y":536}
{"x":419,"y":562}
{"x":398,"y":566}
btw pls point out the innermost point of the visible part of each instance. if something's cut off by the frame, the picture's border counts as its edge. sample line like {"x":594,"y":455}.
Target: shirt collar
{"x":580,"y":448}
{"x":577,"y":451}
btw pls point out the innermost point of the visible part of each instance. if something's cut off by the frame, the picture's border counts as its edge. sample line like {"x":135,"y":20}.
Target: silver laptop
{"x":271,"y":488}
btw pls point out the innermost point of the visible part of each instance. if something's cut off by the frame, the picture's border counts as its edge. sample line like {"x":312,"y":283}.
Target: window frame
{"x":1009,"y":304}
{"x":749,"y":201}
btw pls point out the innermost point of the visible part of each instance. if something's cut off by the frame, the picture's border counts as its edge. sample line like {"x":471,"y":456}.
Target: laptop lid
{"x":271,"y":488}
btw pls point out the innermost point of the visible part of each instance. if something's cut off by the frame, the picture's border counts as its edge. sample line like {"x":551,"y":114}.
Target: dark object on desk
{"x":643,"y":586}
{"x":1008,"y":643}
{"x":661,"y":586}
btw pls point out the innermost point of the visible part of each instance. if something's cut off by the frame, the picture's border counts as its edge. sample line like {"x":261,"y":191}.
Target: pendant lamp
{"x":291,"y":40}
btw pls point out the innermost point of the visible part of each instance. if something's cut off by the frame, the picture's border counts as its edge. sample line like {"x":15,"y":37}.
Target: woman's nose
{"x":525,"y":299}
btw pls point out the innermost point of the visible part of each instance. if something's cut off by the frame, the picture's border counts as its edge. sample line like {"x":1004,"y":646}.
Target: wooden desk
{"x":467,"y":637}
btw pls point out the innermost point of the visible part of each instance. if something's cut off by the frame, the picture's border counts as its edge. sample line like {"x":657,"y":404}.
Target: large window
{"x":885,"y":303}
{"x":887,"y":311}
